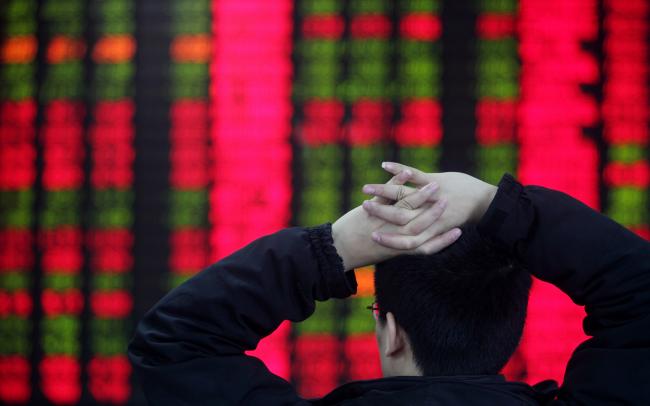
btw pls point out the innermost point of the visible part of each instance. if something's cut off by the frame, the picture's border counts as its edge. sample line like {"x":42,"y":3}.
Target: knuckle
{"x":402,"y":218}
{"x":407,"y":204}
{"x":410,"y":229}
{"x":400,"y":193}
{"x":415,"y":229}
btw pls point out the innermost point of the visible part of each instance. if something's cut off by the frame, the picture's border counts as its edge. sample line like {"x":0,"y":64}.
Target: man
{"x":189,"y":349}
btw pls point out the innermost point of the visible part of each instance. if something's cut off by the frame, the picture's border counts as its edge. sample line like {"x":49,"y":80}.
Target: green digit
{"x":321,"y":6}
{"x":359,"y":319}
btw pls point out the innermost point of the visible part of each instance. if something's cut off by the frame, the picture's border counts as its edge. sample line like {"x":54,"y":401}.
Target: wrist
{"x":484,"y":202}
{"x":338,"y":238}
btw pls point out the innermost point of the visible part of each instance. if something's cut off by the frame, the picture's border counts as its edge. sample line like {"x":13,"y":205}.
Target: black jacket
{"x":189,"y":349}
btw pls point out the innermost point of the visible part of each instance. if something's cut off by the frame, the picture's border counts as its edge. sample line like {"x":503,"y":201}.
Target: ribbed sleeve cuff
{"x":335,"y":281}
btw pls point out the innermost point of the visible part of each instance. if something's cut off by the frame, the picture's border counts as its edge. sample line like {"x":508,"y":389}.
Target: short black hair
{"x":463,"y":308}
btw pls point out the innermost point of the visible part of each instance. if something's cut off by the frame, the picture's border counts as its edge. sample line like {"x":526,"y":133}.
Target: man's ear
{"x":395,"y":336}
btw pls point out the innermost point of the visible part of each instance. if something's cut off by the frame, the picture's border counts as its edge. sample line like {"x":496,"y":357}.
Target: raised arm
{"x":594,"y":260}
{"x":189,"y":349}
{"x":599,"y":264}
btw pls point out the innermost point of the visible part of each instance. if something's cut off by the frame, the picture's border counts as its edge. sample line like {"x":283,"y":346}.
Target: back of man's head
{"x":463,"y":308}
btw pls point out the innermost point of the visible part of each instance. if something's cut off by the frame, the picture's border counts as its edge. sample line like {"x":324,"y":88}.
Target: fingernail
{"x":368,"y":189}
{"x":386,"y":165}
{"x":376,"y":237}
{"x":457,"y":233}
{"x":367,"y":204}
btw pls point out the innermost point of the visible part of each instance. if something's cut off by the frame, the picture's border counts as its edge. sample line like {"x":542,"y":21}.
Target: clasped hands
{"x":423,"y":218}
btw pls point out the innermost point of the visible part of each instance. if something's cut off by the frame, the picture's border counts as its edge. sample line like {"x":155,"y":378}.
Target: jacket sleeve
{"x":600,"y":265}
{"x":189,"y":348}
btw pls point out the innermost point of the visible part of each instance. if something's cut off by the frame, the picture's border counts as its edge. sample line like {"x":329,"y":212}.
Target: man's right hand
{"x":467,"y":200}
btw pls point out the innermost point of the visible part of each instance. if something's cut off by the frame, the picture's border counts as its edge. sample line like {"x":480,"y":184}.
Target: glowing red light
{"x":622,"y":132}
{"x":420,"y":123}
{"x":642,"y":231}
{"x":111,"y":304}
{"x":14,"y":379}
{"x":363,"y":354}
{"x":317,"y":364}
{"x":496,"y":121}
{"x":190,"y":162}
{"x":19,"y":112}
{"x":326,"y":110}
{"x":315,"y":133}
{"x":251,"y":127}
{"x":18,"y":303}
{"x":635,"y":174}
{"x":60,"y":378}
{"x":16,"y":249}
{"x":112,"y":250}
{"x":16,"y":133}
{"x":63,"y":260}
{"x":56,"y":303}
{"x":190,"y":249}
{"x":17,"y":165}
{"x":121,"y":111}
{"x":109,"y":379}
{"x":321,"y":122}
{"x":323,"y":26}
{"x":62,"y":112}
{"x":495,"y":26}
{"x":371,"y":25}
{"x":365,"y":133}
{"x":104,"y":136}
{"x":190,"y":112}
{"x":22,"y":303}
{"x":370,"y":122}
{"x":420,"y":27}
{"x":62,"y":250}
{"x":553,"y":151}
{"x":63,"y":157}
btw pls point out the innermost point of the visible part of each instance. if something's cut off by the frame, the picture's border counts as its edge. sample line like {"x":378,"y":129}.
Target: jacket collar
{"x":402,"y":389}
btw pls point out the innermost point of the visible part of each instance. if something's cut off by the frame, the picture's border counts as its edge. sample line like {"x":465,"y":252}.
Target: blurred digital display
{"x":142,"y":141}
